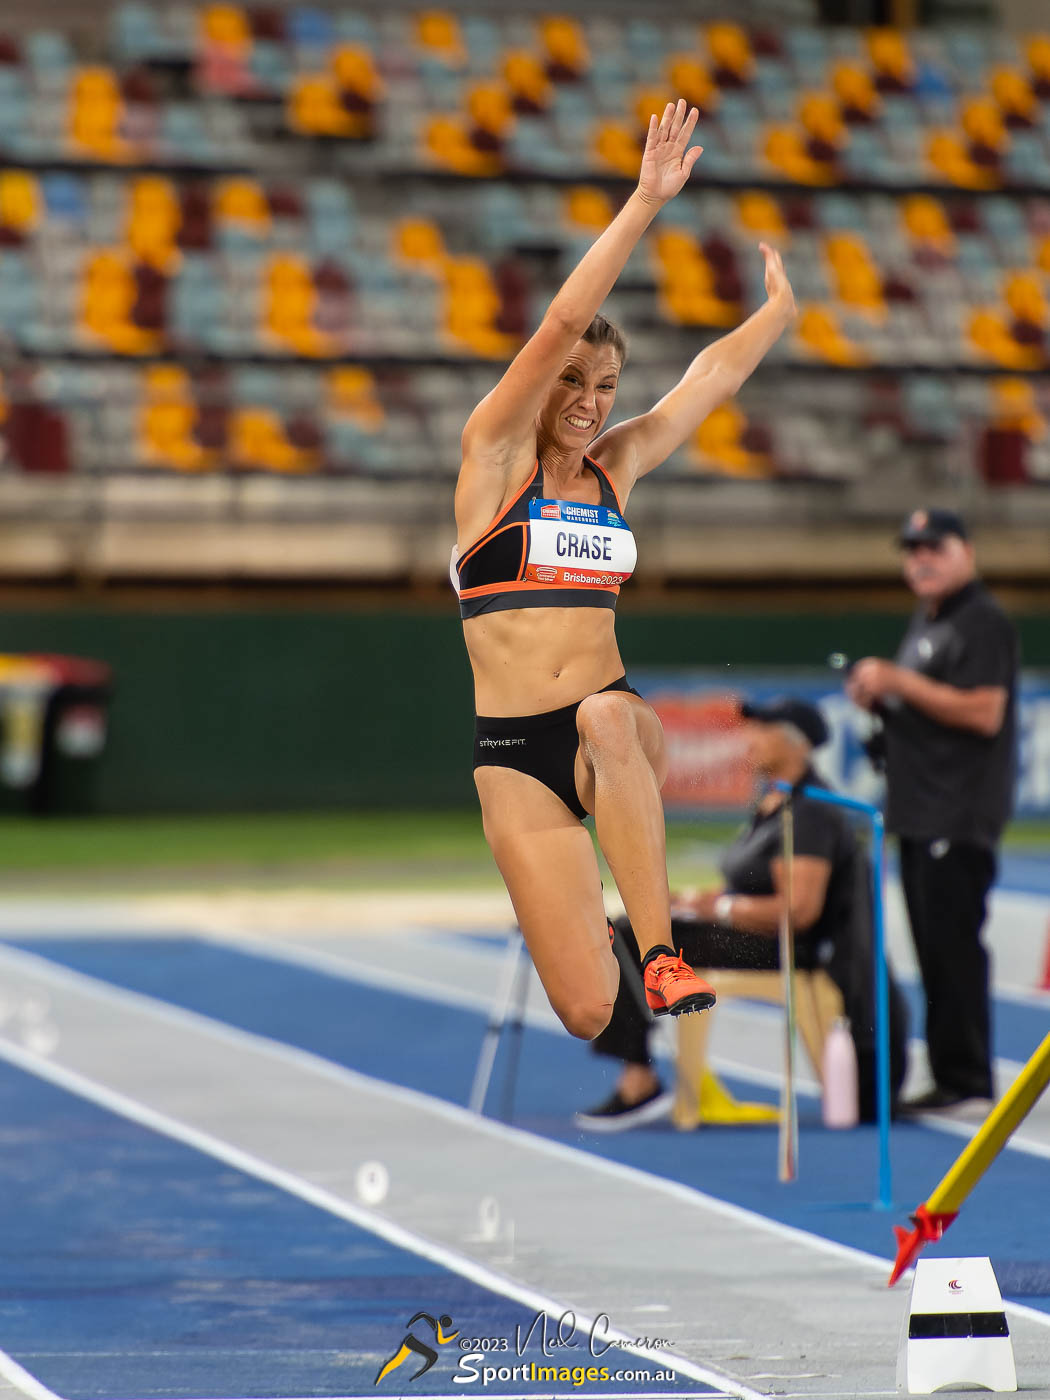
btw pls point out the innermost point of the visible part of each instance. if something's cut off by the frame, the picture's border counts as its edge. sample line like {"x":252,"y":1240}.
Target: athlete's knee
{"x":606,"y":722}
{"x":585,"y":1017}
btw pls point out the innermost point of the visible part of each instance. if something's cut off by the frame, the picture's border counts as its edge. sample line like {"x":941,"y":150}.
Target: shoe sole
{"x":696,"y":1001}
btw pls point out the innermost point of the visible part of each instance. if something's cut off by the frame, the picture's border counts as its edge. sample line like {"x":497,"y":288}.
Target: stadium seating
{"x":248,"y":187}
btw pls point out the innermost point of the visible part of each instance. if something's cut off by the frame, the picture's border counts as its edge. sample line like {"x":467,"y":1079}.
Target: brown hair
{"x":602,"y":332}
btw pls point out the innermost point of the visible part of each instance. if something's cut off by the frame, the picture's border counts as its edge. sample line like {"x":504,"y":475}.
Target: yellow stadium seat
{"x":289,"y":304}
{"x":990,"y":336}
{"x":1014,"y":408}
{"x":447,"y":142}
{"x":1042,"y":253}
{"x":565,"y":47}
{"x":96,"y":112}
{"x":817,"y":331}
{"x":472,"y":307}
{"x":926,"y":221}
{"x":491,"y":109}
{"x":351,"y":392}
{"x":686,"y":282}
{"x":1013,"y":92}
{"x":854,"y":90}
{"x":730,"y":50}
{"x":891,"y":57}
{"x":242,"y":201}
{"x":588,"y":207}
{"x":618,"y":147}
{"x":167,"y":419}
{"x":527,"y":80}
{"x":982,"y":121}
{"x":689,"y":78}
{"x":314,"y":107}
{"x":20,"y":202}
{"x":718,"y":443}
{"x":354,"y":70}
{"x":439,"y":33}
{"x":226,"y":25}
{"x":858,"y":283}
{"x":1037,"y":52}
{"x":647,"y":100}
{"x":785,"y":149}
{"x":154,"y":219}
{"x":1023,"y":293}
{"x":258,"y":440}
{"x":419,"y":241}
{"x":821,"y":119}
{"x":947,"y":154}
{"x":108,"y":294}
{"x":759,"y":213}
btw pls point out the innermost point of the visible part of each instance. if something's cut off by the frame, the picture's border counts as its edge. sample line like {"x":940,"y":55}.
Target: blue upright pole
{"x":882,"y":980}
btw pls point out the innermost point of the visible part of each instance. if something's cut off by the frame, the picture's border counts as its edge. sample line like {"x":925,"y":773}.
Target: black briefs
{"x":544,"y":746}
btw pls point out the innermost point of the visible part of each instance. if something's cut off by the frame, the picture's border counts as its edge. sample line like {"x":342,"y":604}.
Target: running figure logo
{"x":412,"y":1344}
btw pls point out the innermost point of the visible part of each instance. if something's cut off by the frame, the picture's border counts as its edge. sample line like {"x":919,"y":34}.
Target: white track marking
{"x":20,"y":1378}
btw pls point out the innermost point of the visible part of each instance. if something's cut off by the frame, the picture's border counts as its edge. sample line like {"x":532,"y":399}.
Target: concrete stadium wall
{"x":286,"y":709}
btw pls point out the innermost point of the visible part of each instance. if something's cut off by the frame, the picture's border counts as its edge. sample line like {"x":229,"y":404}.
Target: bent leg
{"x":549,"y":867}
{"x":620,"y":769}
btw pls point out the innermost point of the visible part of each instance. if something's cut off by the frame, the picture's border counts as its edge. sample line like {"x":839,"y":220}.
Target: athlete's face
{"x":582,"y":396}
{"x":935,"y":571}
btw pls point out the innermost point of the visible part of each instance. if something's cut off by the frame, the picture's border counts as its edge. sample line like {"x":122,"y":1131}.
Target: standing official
{"x":948,"y":710}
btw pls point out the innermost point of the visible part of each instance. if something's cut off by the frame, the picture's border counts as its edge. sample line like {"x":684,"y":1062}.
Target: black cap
{"x":931,"y":526}
{"x":784,"y":709}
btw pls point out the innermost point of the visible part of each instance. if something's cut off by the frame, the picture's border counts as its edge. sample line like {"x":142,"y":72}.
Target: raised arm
{"x":638,"y":445}
{"x":505,"y":416}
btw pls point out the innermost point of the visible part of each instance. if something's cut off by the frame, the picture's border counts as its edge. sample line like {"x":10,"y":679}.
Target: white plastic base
{"x":949,"y":1333}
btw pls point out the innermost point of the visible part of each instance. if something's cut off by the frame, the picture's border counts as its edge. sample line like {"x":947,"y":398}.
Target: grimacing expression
{"x":582,"y":396}
{"x":936,"y":570}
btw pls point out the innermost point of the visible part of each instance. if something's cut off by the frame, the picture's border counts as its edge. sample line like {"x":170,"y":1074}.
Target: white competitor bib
{"x":578,"y":545}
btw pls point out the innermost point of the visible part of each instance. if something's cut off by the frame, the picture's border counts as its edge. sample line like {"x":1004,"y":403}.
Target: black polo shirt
{"x":819,"y":830}
{"x":942,"y":781}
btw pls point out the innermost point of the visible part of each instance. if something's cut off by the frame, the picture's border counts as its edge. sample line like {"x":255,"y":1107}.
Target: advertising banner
{"x":708,"y":774}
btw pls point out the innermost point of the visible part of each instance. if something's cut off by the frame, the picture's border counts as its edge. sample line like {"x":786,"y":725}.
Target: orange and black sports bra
{"x":545,"y":553}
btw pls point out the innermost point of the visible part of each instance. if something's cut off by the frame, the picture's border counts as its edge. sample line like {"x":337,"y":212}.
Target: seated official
{"x":737,"y":926}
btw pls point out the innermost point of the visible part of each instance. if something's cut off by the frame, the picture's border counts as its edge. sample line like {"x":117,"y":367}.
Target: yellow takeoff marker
{"x":934,"y":1216}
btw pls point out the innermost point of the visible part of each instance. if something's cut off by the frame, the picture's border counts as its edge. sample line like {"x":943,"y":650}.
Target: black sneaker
{"x":616,"y":1114}
{"x":938,"y":1100}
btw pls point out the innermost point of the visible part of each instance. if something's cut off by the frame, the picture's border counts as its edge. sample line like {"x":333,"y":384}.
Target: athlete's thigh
{"x":547,"y":861}
{"x":613,"y":717}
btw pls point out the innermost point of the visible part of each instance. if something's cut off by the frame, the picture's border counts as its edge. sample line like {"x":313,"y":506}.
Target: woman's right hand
{"x":667,"y":160}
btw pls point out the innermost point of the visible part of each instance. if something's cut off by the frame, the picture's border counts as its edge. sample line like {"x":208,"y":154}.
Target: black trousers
{"x":702,"y":944}
{"x":946,"y":893}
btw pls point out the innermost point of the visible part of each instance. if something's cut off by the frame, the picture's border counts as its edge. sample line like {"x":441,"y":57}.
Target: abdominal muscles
{"x":528,"y":660}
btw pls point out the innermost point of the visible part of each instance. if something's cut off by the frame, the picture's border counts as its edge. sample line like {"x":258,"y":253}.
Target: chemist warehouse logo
{"x":551,"y":512}
{"x":500,"y":1359}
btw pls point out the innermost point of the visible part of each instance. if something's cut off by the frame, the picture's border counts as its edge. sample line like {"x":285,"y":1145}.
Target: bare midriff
{"x":529,"y":660}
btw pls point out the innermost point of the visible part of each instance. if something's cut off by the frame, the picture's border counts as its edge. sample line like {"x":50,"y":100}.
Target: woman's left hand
{"x":778,"y":288}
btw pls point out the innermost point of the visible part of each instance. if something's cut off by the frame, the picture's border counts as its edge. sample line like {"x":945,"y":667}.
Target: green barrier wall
{"x":276,"y":709}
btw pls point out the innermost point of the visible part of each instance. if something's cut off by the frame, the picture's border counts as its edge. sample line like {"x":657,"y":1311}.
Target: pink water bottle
{"x":840,"y":1077}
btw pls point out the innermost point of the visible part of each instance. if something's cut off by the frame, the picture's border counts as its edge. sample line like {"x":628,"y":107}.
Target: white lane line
{"x":420,"y":1102}
{"x":365,"y":1219}
{"x":20,"y":1378}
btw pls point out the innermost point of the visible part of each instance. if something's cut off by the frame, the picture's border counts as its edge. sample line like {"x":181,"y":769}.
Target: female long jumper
{"x":542,"y":547}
